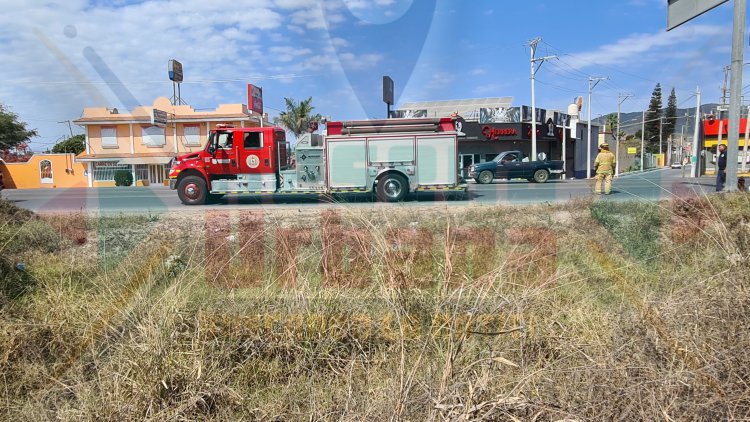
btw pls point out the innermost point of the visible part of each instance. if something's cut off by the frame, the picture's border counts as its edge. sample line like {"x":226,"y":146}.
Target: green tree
{"x":612,"y":126}
{"x":652,"y":120}
{"x":75,"y":145}
{"x":670,"y":115}
{"x":298,"y":116}
{"x":13,"y":132}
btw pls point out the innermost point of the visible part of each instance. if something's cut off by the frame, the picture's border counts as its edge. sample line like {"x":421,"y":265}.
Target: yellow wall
{"x":28,"y":176}
{"x":95,"y":139}
{"x":123,"y":139}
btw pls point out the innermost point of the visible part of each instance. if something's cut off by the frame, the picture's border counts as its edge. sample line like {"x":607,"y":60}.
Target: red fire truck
{"x":390,"y":157}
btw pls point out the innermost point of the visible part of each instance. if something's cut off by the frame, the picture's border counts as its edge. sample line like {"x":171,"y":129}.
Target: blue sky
{"x":61,"y":57}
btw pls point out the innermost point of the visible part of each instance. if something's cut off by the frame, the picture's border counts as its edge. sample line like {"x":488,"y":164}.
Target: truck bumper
{"x":173,"y":184}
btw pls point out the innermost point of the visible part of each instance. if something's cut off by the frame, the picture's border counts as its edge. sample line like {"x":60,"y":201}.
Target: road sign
{"x":681,"y":11}
{"x":159,"y":118}
{"x":175,"y":71}
{"x":255,"y":98}
{"x":632,"y":151}
{"x":388,"y":90}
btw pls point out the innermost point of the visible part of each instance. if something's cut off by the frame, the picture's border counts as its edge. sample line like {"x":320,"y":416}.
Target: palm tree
{"x":297,"y":117}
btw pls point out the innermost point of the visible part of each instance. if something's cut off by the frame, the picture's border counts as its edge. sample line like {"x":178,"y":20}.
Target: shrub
{"x":123,"y":178}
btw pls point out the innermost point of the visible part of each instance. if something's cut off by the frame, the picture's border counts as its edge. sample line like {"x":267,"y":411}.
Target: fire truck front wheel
{"x":392,"y":188}
{"x":192,"y":190}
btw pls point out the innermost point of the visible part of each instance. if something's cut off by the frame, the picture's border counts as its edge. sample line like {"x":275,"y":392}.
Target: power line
{"x":200,"y":81}
{"x":577,"y":57}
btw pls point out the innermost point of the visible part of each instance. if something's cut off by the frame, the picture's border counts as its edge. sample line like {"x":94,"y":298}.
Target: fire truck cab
{"x":389,"y":157}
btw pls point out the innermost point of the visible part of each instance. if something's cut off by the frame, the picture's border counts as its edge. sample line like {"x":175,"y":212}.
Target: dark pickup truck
{"x":511,"y":165}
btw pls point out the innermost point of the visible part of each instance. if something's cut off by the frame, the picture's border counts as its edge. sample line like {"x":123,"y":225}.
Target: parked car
{"x":513,"y":165}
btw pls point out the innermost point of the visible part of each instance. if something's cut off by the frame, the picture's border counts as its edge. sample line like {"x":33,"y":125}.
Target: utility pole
{"x":534,"y":68}
{"x":747,"y":135}
{"x":721,"y":109}
{"x":69,"y":126}
{"x":733,"y":139}
{"x":696,"y":131}
{"x":595,"y":81}
{"x":620,"y":99}
{"x":724,"y":88}
{"x":643,"y":136}
{"x":661,"y":125}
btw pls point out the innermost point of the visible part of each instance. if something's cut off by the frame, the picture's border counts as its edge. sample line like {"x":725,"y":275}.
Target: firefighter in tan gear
{"x":605,"y":169}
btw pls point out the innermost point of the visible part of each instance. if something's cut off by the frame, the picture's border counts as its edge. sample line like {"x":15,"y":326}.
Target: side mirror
{"x":211,"y":149}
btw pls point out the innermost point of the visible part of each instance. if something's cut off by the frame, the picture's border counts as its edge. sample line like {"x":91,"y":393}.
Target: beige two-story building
{"x":119,"y":141}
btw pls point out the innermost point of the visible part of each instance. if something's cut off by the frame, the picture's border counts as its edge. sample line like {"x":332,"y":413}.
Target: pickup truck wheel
{"x":541,"y":176}
{"x":485,"y":177}
{"x":192,"y":190}
{"x":392,"y":188}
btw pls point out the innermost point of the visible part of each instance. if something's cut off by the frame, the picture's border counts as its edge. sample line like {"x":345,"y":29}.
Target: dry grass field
{"x":590,"y":310}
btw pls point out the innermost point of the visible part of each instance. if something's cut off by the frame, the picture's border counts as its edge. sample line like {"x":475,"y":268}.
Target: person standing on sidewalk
{"x":604,"y":165}
{"x":721,"y":168}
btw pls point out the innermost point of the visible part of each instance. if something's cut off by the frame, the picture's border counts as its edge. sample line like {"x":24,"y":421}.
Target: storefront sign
{"x":495,"y":133}
{"x":509,"y":132}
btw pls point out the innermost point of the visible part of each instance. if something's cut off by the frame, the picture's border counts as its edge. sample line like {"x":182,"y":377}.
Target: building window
{"x":192,"y":136}
{"x":109,"y":137}
{"x":153,"y":136}
{"x":45,"y":170}
{"x":104,"y":171}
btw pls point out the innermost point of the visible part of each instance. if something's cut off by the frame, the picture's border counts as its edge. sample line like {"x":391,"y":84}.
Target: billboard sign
{"x":541,"y":115}
{"x":159,"y":118}
{"x":388,"y":90}
{"x":500,"y":115}
{"x":255,"y":98}
{"x":409,"y":114}
{"x":681,"y":11}
{"x":175,"y":71}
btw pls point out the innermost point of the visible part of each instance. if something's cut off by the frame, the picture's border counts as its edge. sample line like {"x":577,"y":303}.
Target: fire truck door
{"x":224,"y":159}
{"x":254,"y":155}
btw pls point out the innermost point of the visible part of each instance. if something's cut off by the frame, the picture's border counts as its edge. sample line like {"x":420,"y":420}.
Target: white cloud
{"x":638,"y":47}
{"x":361,"y":61}
{"x":287,"y":54}
{"x":440,"y":80}
{"x":339,"y":42}
{"x":490,"y":90}
{"x":48,"y":75}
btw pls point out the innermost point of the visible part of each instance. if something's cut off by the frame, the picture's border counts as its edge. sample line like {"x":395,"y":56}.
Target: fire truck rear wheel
{"x":392,"y":188}
{"x":192,"y":190}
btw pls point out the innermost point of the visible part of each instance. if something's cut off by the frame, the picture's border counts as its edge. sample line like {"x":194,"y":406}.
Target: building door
{"x":465,"y":160}
{"x":155,"y":174}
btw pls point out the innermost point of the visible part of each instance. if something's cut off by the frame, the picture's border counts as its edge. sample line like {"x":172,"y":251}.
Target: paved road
{"x":653,"y":185}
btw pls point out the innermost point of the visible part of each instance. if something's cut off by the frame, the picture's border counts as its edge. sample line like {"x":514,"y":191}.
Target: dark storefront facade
{"x":484,"y":141}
